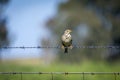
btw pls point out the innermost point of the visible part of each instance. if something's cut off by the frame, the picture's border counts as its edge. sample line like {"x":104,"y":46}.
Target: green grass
{"x":86,"y":66}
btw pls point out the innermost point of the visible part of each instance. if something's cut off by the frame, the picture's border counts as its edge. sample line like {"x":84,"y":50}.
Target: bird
{"x":67,"y":40}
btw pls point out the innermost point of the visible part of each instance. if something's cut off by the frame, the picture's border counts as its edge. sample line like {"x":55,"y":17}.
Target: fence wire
{"x":66,"y":73}
{"x":41,"y":47}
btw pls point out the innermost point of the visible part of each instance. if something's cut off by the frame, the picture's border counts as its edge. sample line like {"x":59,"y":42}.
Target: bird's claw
{"x":71,"y":47}
{"x":62,"y":47}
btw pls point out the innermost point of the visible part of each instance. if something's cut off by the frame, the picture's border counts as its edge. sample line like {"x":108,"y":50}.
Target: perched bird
{"x":67,"y":40}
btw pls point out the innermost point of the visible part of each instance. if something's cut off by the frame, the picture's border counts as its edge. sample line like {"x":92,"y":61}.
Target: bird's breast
{"x":66,"y":38}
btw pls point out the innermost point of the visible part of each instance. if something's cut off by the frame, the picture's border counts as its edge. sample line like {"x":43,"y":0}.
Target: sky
{"x":26,"y":25}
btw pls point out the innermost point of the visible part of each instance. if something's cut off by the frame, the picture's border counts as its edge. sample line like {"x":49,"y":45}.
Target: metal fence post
{"x":83,"y":75}
{"x":52,"y":75}
{"x":21,"y":75}
{"x":115,"y":75}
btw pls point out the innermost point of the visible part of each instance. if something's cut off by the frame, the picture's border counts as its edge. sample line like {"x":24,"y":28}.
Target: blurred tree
{"x":3,"y":30}
{"x":94,"y":22}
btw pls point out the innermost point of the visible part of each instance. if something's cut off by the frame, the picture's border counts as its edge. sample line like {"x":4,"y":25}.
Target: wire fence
{"x":52,"y":75}
{"x":115,"y":75}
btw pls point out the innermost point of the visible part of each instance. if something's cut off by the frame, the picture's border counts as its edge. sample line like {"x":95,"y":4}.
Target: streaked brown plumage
{"x":67,"y":40}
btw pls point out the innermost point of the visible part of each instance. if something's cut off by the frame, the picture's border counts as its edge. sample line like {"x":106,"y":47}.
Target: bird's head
{"x":68,"y":31}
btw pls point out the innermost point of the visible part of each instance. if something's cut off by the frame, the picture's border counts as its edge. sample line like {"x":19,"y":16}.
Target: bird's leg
{"x":71,"y":47}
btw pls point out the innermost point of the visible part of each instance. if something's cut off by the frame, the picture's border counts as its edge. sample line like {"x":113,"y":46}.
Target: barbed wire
{"x":92,"y":73}
{"x":65,"y":73}
{"x":39,"y":47}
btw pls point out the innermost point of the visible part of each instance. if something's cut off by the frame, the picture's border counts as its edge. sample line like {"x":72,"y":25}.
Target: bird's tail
{"x":66,"y":50}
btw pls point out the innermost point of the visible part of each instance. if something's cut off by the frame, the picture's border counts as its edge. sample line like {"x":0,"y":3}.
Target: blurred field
{"x":34,"y":65}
